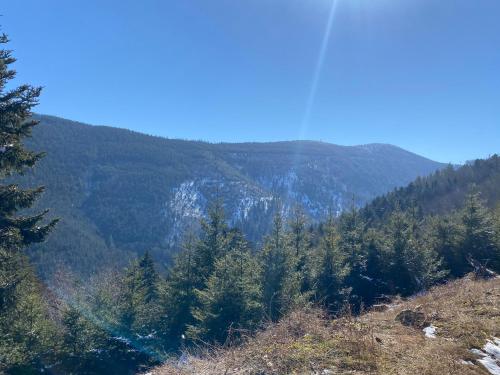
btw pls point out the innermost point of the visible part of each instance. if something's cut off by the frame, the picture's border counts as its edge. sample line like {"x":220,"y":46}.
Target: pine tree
{"x":299,"y":251}
{"x":496,"y":216}
{"x":275,"y":272}
{"x":75,"y":333}
{"x":17,"y":231}
{"x":148,"y":278}
{"x":179,"y":297}
{"x":399,"y":241}
{"x":351,"y":246}
{"x":191,"y":272}
{"x":140,"y":300}
{"x":413,"y":267}
{"x":443,"y":237}
{"x":232,"y":297}
{"x":376,"y":267}
{"x":329,"y":284}
{"x":478,"y":240}
{"x":26,"y":328}
{"x":85,"y":346}
{"x":213,"y":244}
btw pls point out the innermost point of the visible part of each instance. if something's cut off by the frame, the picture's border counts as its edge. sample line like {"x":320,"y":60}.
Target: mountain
{"x":442,"y":191}
{"x":120,"y":193}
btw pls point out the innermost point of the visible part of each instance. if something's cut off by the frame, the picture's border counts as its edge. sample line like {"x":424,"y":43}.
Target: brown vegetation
{"x":466,"y":313}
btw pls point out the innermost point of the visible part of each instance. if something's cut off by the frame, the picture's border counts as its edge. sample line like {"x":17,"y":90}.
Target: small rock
{"x":411,"y":318}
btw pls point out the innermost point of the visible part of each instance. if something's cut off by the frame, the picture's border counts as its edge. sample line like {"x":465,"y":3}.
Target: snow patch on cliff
{"x":186,"y":201}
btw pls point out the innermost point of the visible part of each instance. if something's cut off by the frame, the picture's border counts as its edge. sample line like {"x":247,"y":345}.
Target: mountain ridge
{"x":44,"y":117}
{"x":125,"y":192}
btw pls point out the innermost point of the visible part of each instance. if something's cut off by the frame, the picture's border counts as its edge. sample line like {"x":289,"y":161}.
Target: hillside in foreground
{"x":465,"y":315}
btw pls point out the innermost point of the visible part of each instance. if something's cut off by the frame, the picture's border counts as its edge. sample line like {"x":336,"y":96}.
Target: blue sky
{"x":420,"y":74}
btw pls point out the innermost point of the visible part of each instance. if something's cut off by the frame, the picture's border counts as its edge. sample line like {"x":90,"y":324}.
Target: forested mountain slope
{"x":119,"y":192}
{"x":441,"y":192}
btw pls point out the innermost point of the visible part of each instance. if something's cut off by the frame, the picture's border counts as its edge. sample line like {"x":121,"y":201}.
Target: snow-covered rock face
{"x":244,"y":206}
{"x":185,"y":207}
{"x":187,"y":201}
{"x":490,"y":356}
{"x":190,"y":199}
{"x":251,"y":202}
{"x":316,"y":195}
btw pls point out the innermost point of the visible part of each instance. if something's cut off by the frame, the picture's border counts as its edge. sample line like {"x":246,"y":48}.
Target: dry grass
{"x":466,"y":313}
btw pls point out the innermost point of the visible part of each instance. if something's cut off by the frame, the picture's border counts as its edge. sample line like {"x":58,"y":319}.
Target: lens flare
{"x":312,"y":91}
{"x":317,"y":71}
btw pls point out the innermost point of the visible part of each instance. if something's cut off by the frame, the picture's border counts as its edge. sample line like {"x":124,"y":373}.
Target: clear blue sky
{"x":420,"y":74}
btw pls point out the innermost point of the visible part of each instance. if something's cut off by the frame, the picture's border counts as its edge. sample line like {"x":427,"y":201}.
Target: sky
{"x":420,"y":74}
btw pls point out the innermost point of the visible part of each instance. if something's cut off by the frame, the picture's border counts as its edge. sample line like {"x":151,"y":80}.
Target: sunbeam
{"x":317,"y":71}
{"x":314,"y":87}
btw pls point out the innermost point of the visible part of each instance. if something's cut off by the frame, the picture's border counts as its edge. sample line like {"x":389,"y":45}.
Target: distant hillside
{"x":441,"y":192}
{"x":120,"y":192}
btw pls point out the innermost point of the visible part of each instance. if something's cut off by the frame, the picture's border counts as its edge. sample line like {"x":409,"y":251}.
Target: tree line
{"x":220,"y":286}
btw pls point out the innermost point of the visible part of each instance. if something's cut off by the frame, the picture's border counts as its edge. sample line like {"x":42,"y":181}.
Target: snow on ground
{"x":430,"y":332}
{"x":490,"y":356}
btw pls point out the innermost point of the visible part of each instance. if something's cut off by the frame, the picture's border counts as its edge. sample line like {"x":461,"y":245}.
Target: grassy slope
{"x":466,"y":314}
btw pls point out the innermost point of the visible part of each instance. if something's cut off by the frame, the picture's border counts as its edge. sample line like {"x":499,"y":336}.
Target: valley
{"x":120,"y":193}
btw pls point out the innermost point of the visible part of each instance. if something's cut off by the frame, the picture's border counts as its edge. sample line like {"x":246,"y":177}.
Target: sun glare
{"x":318,"y":69}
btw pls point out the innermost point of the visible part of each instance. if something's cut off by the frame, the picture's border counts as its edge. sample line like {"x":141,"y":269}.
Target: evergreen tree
{"x":27,"y":331}
{"x":76,"y":336}
{"x":85,"y":347}
{"x":399,"y":240}
{"x":496,"y":216}
{"x":213,"y":244}
{"x":275,"y":272}
{"x":351,"y":246}
{"x":329,"y":285}
{"x":17,"y":231}
{"x":376,"y":267}
{"x":140,"y":300}
{"x":299,"y":250}
{"x":413,"y":266}
{"x":192,"y":271}
{"x":478,"y":240}
{"x":443,"y":237}
{"x":232,"y":297}
{"x":179,"y":297}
